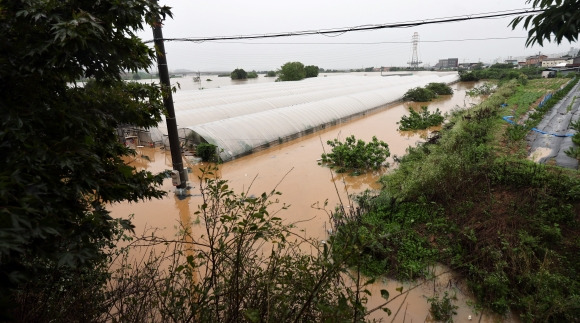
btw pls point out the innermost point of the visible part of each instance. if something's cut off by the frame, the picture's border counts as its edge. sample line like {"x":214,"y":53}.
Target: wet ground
{"x":293,"y":168}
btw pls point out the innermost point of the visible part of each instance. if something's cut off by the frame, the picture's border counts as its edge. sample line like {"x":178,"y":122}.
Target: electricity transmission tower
{"x":414,"y":63}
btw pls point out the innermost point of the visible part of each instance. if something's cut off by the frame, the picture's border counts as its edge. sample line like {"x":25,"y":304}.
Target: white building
{"x":552,"y":62}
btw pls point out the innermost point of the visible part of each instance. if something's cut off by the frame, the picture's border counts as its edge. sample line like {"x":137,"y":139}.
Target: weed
{"x":443,"y":309}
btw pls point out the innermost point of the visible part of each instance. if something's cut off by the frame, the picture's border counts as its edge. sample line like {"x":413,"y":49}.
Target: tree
{"x":239,"y":74}
{"x":252,"y":75}
{"x":270,"y":74}
{"x":292,"y":71}
{"x":61,"y":160}
{"x":311,"y":71}
{"x":559,"y":19}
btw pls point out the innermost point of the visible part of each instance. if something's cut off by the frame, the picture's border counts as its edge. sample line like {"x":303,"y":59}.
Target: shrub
{"x":419,"y":94}
{"x":356,"y":155}
{"x":423,"y":120}
{"x":484,"y":89}
{"x":440,"y":88}
{"x":206,"y":151}
{"x":442,"y":309}
{"x":468,"y":77}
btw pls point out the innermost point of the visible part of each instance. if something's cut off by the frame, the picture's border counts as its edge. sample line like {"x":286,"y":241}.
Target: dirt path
{"x":549,"y":145}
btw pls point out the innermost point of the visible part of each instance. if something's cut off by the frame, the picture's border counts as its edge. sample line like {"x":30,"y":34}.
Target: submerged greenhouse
{"x":242,"y":119}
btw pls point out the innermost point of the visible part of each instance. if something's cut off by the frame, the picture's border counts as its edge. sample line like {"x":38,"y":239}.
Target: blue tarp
{"x":509,"y":120}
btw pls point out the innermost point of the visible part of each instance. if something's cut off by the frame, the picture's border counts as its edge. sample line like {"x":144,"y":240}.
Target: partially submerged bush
{"x":419,"y":94}
{"x":356,"y":155}
{"x":440,"y":88}
{"x":207,"y":152}
{"x":423,"y":120}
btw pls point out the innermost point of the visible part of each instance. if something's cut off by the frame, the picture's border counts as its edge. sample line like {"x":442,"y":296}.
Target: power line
{"x":371,"y":43}
{"x":339,"y":31}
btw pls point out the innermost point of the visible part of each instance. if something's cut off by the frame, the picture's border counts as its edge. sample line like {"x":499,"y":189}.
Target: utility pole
{"x":168,"y":102}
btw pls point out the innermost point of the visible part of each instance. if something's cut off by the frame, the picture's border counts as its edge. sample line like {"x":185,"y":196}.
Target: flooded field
{"x":294,"y":169}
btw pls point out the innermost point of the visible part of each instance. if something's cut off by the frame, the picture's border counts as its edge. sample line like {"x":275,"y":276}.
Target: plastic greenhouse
{"x":241,"y":119}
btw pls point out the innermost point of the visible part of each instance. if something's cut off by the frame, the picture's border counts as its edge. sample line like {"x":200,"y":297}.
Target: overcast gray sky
{"x":233,"y":17}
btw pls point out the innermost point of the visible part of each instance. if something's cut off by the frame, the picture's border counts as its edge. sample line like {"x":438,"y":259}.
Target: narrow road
{"x":552,"y":144}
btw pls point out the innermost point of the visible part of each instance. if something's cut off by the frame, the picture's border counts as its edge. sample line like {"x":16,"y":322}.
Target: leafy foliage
{"x":292,"y":71}
{"x":419,"y":94}
{"x":443,"y":309}
{"x":271,"y":74}
{"x":252,"y":75}
{"x":439,"y":88}
{"x":484,"y":89}
{"x":501,"y":73}
{"x":247,"y":266}
{"x":62,"y":161}
{"x":206,"y":151}
{"x":356,"y":155}
{"x":238,"y":74}
{"x":458,"y":201}
{"x":559,"y":19}
{"x":311,"y":70}
{"x":423,"y":120}
{"x":467,"y":77}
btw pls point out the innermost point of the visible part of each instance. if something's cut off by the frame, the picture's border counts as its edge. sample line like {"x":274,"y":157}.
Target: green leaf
{"x":385,"y":294}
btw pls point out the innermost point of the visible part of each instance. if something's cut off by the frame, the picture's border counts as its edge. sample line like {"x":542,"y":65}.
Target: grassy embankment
{"x":472,"y":201}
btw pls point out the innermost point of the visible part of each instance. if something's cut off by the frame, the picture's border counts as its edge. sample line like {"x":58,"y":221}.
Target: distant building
{"x":511,"y":61}
{"x":447,"y":63}
{"x":551,"y":62}
{"x":535,"y":60}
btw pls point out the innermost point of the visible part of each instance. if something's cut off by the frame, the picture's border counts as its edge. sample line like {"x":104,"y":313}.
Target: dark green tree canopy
{"x":292,"y":71}
{"x":311,"y":70}
{"x":239,"y":74}
{"x":560,"y":20}
{"x":61,"y":160}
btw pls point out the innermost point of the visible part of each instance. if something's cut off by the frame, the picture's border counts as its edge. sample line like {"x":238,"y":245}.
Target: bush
{"x":468,"y":77}
{"x":207,"y":152}
{"x":440,"y":88}
{"x":239,"y":74}
{"x":423,"y":120}
{"x":442,"y":310}
{"x":252,"y":75}
{"x":419,"y":94}
{"x":356,"y":155}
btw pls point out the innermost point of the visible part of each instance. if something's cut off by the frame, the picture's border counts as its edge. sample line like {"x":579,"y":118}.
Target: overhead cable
{"x":338,"y":31}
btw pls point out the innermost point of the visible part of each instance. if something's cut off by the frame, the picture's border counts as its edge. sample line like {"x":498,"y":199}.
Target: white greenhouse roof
{"x":241,"y":118}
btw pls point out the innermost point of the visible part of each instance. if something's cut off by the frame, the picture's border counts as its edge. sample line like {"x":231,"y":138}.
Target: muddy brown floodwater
{"x":293,"y":168}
